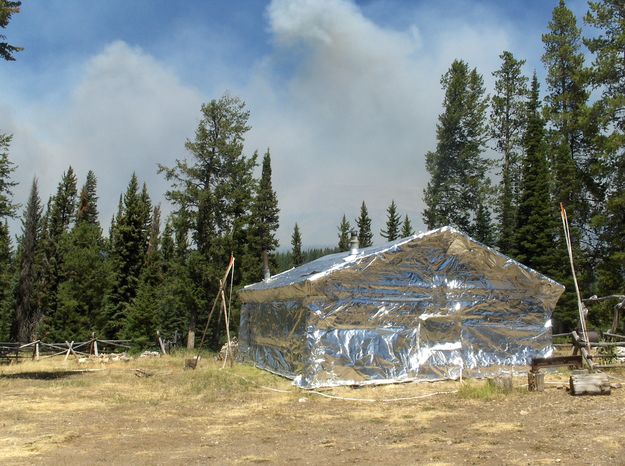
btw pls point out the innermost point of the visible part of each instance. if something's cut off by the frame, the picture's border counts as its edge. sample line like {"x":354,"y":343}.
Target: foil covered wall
{"x":427,"y":307}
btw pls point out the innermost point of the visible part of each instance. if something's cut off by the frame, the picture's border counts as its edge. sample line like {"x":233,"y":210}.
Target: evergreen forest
{"x":502,"y":165}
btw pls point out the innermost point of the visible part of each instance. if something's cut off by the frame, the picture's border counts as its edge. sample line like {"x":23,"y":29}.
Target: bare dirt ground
{"x":51,"y":414}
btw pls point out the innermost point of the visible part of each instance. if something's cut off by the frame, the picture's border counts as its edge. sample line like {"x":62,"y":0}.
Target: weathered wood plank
{"x":557,"y":361}
{"x":589,"y":384}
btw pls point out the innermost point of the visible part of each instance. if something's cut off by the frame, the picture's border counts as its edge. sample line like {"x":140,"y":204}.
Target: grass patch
{"x":480,"y":390}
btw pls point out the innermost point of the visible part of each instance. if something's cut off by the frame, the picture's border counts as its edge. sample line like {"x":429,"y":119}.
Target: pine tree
{"x":566,"y":111}
{"x":506,"y":123}
{"x":86,"y":271}
{"x":365,"y":236}
{"x":6,"y":282}
{"x":7,"y":210}
{"x":608,"y":75}
{"x":7,"y":9}
{"x":296,"y":242}
{"x":59,"y":216}
{"x":570,"y":137}
{"x":392,"y":223}
{"x":213,"y":195}
{"x":457,"y":168}
{"x":28,"y":295}
{"x":177,"y":289}
{"x":144,"y":314}
{"x":168,"y":245}
{"x":264,"y":222}
{"x":7,"y":207}
{"x":128,"y":249}
{"x":344,"y":234}
{"x":406,"y":228}
{"x":535,"y":235}
{"x":88,"y":201}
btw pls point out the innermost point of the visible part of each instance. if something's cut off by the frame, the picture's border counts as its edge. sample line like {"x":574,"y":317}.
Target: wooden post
{"x":37,"y":351}
{"x":69,"y":349}
{"x":536,"y":381}
{"x":160,"y":342}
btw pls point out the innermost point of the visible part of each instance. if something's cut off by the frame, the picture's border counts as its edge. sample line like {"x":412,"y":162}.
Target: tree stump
{"x":589,"y":384}
{"x":536,"y":381}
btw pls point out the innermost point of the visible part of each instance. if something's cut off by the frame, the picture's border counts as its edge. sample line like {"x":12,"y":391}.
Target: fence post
{"x":95,"y":345}
{"x":160,"y":342}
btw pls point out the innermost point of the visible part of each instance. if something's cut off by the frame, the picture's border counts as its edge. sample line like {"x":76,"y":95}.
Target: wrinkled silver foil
{"x":437,"y":305}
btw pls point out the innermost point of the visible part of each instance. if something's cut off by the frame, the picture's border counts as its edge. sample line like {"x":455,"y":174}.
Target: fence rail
{"x":15,"y":351}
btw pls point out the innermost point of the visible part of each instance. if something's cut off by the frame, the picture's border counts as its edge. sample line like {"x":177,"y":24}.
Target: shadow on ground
{"x":40,"y":375}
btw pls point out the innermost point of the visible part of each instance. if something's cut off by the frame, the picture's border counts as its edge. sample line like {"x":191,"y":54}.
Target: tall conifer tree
{"x":535,"y":228}
{"x":566,"y":111}
{"x":608,"y":76}
{"x":7,"y":210}
{"x":264,"y":222}
{"x":28,"y":309}
{"x":128,"y":249}
{"x":506,"y":123}
{"x":570,"y":137}
{"x":296,"y":243}
{"x":213,"y":192}
{"x":144,"y":314}
{"x":459,"y":185}
{"x":365,"y":235}
{"x":59,"y":217}
{"x":393,"y":222}
{"x":344,"y":234}
{"x":406,"y":228}
{"x":85,"y":270}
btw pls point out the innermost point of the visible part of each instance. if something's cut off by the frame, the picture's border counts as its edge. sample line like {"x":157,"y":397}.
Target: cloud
{"x":127,"y":113}
{"x":347,"y":104}
{"x":355,"y":113}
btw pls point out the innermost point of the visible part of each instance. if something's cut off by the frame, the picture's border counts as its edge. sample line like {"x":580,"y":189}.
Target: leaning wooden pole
{"x":217,"y":298}
{"x":580,"y":304}
{"x":227,"y":318}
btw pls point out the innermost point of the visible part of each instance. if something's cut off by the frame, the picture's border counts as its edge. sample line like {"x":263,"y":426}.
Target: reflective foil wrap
{"x":431,"y":306}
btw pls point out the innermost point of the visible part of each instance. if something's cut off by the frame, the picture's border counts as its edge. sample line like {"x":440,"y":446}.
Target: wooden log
{"x":607,"y":344}
{"x":590,"y":384}
{"x":536,"y":381}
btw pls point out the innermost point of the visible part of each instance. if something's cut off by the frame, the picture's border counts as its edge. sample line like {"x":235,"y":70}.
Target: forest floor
{"x":57,"y":413}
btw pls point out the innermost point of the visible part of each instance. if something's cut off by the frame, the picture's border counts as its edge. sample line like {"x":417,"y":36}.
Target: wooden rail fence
{"x":38,"y":349}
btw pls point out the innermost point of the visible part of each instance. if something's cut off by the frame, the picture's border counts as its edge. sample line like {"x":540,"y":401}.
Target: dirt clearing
{"x":51,"y":413}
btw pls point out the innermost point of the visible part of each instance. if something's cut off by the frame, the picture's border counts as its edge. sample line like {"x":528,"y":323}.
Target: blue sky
{"x":345,"y":94}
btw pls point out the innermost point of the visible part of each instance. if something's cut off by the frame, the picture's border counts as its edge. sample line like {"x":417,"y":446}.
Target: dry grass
{"x":55,"y":412}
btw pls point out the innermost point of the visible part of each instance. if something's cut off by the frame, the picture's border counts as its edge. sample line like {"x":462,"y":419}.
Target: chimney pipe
{"x":353,"y":243}
{"x":266,"y":271}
